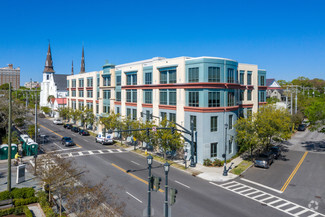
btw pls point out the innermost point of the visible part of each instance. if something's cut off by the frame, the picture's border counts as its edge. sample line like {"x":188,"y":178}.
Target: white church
{"x":53,"y":87}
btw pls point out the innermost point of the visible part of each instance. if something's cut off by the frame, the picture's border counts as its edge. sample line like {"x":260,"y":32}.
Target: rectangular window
{"x":214,"y":149}
{"x":249,"y":95}
{"x":117,"y":110}
{"x":134,"y":79}
{"x":98,"y":79}
{"x":97,"y":108}
{"x":147,"y":96}
{"x":172,"y":76}
{"x":163,"y":97}
{"x":262,"y":95}
{"x":193,"y":99}
{"x":134,"y":114}
{"x":241,"y":95}
{"x":249,"y":78}
{"x":128,"y":112}
{"x":193,"y":120}
{"x":241,"y":77}
{"x":80,"y":105}
{"x":172,"y":117}
{"x":131,"y":79}
{"x":128,"y":95}
{"x":172,"y":97}
{"x":230,"y":147}
{"x":118,"y":80}
{"x":118,"y":96}
{"x":249,"y":112}
{"x":163,"y":77}
{"x":89,"y":82}
{"x":73,"y":93}
{"x":230,"y":122}
{"x":147,"y":115}
{"x":90,"y":105}
{"x":81,"y":82}
{"x":134,"y":95}
{"x":89,"y":93}
{"x":68,"y":81}
{"x":163,"y":115}
{"x":214,"y":124}
{"x":214,"y":74}
{"x":262,"y":83}
{"x":148,"y":78}
{"x":214,"y":99}
{"x":81,"y":93}
{"x":106,"y":94}
{"x":106,"y":81}
{"x":73,"y":82}
{"x":193,"y":75}
{"x":230,"y":76}
{"x":231,"y":99}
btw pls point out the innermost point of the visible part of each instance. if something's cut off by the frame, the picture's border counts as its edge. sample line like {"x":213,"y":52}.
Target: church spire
{"x":82,"y":68}
{"x":49,"y":63}
{"x":72,"y":68}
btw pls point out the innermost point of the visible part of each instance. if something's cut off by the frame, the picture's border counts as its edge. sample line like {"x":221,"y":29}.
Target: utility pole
{"x":291,"y":101}
{"x":287,"y":98}
{"x":296,"y":106}
{"x":9,"y":142}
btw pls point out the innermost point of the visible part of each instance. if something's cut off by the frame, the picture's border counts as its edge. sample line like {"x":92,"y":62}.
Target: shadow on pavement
{"x":314,"y":146}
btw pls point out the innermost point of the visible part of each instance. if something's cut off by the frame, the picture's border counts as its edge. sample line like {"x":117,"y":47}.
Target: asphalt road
{"x":196,"y":197}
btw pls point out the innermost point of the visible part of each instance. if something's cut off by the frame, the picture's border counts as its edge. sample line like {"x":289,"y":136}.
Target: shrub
{"x":5,"y":195}
{"x":13,"y":210}
{"x":217,"y":163}
{"x":21,"y":201}
{"x":207,"y":162}
{"x":22,"y":192}
{"x":27,"y":212}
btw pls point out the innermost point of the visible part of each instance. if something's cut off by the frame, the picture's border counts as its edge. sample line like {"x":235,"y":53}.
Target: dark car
{"x":67,"y":141}
{"x":276,"y":151}
{"x":84,"y":132}
{"x":264,"y":160}
{"x":75,"y":129}
{"x":68,"y":126}
{"x":301,"y":127}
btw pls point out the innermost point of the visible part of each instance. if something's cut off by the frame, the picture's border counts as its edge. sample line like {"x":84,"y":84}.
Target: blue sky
{"x":287,"y":38}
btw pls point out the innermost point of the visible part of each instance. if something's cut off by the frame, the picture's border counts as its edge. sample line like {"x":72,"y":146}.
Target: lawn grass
{"x":241,"y":167}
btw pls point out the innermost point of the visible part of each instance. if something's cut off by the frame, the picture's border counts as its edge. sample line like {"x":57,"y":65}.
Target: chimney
{"x":10,"y":66}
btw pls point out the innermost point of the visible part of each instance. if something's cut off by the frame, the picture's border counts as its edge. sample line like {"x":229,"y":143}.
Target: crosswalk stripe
{"x":90,"y":152}
{"x":70,"y":155}
{"x":80,"y":153}
{"x":100,"y":151}
{"x":254,"y":194}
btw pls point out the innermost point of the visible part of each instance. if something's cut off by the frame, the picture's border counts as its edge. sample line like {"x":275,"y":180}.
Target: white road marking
{"x":90,"y":152}
{"x":32,"y":163}
{"x":100,"y":151}
{"x":70,"y":154}
{"x":119,"y":150}
{"x":264,"y":186}
{"x":80,"y":153}
{"x":109,"y":150}
{"x":134,"y":162}
{"x":66,"y":149}
{"x":84,"y":140}
{"x":274,"y":199}
{"x":134,"y":197}
{"x":182,"y":184}
{"x":57,"y":145}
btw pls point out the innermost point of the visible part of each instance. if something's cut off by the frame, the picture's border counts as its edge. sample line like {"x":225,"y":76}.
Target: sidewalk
{"x":212,"y":174}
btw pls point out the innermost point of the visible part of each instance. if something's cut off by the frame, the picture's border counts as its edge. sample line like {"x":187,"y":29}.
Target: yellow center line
{"x":56,"y":133}
{"x":294,"y":172}
{"x":134,"y":176}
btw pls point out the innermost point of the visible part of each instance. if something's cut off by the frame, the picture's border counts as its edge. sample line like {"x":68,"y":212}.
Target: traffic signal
{"x":151,"y":182}
{"x":172,"y":196}
{"x":148,"y":133}
{"x":173,"y":130}
{"x":156,"y":183}
{"x":151,"y":116}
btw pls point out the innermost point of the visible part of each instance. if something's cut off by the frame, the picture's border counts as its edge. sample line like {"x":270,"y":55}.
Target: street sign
{"x":154,"y":129}
{"x":20,"y":174}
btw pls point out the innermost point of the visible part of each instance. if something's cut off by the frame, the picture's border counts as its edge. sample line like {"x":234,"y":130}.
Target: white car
{"x":105,"y":140}
{"x":57,"y":121}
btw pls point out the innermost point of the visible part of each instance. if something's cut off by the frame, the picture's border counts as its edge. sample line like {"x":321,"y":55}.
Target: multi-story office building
{"x":208,"y":91}
{"x":10,"y":74}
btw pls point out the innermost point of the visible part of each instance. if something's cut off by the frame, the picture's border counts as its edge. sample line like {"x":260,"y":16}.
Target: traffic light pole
{"x":166,"y":195}
{"x":149,"y":191}
{"x":9,"y":142}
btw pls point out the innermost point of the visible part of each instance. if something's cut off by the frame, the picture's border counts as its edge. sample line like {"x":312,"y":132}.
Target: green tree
{"x":64,"y":112}
{"x":272,"y":125}
{"x":76,"y":115}
{"x":46,"y":109}
{"x":316,"y":114}
{"x":4,"y":86}
{"x":89,"y":117}
{"x":112,"y":121}
{"x":247,"y":138}
{"x":272,"y":100}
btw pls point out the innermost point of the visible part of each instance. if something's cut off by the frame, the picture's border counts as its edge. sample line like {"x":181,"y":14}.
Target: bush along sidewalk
{"x":242,"y":167}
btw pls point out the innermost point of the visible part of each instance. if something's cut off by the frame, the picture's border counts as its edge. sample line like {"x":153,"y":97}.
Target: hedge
{"x":27,"y":212}
{"x":21,"y":201}
{"x":14,"y":210}
{"x":17,"y":193}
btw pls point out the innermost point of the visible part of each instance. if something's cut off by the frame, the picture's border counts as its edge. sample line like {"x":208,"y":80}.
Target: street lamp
{"x":149,"y":161}
{"x":225,"y":154}
{"x":166,"y":168}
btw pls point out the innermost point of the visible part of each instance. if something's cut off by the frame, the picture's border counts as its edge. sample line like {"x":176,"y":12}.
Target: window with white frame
{"x":214,"y":74}
{"x":214,"y":149}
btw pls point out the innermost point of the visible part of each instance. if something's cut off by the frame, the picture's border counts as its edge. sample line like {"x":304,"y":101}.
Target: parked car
{"x":301,"y":127}
{"x":276,"y":151}
{"x":264,"y":160}
{"x":84,"y":132}
{"x":57,"y":121}
{"x":67,"y":141}
{"x":75,"y":129}
{"x":68,"y":126}
{"x":104,"y":140}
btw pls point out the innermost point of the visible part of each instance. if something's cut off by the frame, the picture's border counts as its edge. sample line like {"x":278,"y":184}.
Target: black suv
{"x":68,"y":126}
{"x":302,"y":127}
{"x":67,"y":141}
{"x":264,"y":160}
{"x":276,"y":151}
{"x":75,"y":129}
{"x":84,"y":132}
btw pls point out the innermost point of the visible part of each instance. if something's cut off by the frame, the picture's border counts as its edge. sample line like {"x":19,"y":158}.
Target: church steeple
{"x":49,"y":63}
{"x":82,"y":68}
{"x":72,"y":68}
